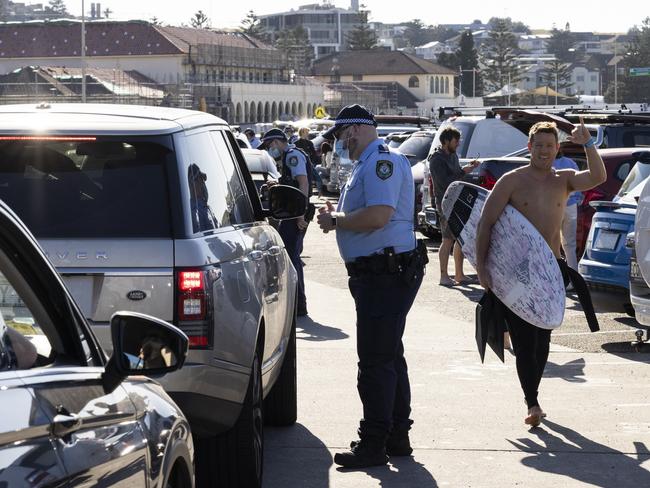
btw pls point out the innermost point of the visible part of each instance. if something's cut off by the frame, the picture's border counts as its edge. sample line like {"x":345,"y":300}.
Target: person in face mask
{"x":295,"y":170}
{"x":374,"y":225}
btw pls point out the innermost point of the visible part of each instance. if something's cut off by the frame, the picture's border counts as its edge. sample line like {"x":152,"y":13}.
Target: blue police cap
{"x":351,"y":115}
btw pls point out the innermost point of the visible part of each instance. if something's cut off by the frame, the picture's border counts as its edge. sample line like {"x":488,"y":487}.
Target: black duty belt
{"x":389,"y":262}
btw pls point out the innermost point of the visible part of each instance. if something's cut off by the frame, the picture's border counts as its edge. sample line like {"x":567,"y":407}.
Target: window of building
{"x":431,"y":85}
{"x":580,"y":78}
{"x":446,"y":84}
{"x":414,"y":82}
{"x":357,"y":77}
{"x":594,"y":78}
{"x":437,"y":87}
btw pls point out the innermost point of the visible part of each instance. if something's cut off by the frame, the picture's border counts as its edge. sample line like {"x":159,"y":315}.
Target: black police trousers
{"x":382,"y":303}
{"x":293,"y":239}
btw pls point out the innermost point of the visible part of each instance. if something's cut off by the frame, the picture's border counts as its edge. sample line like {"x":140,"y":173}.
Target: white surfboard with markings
{"x":524,"y":272}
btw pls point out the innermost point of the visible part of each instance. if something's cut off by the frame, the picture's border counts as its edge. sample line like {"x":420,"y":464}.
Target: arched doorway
{"x":294,"y":109}
{"x":246,"y":119}
{"x":310,"y":113}
{"x":274,"y":111}
{"x":253,"y":113}
{"x":300,"y":110}
{"x":238,"y":118}
{"x":260,"y":112}
{"x":267,"y":112}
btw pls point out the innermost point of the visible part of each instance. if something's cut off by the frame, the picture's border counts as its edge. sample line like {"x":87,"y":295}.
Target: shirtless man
{"x":540,"y":193}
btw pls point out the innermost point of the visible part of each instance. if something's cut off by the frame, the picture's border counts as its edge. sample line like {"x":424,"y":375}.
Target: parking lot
{"x":468,"y":427}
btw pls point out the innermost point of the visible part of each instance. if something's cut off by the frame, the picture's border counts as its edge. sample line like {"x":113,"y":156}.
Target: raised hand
{"x":580,"y":134}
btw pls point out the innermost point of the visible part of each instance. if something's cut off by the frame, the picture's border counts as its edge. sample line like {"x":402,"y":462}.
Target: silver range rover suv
{"x":153,"y":210}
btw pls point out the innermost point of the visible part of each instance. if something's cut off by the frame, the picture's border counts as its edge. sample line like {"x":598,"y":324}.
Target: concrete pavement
{"x":469,"y":429}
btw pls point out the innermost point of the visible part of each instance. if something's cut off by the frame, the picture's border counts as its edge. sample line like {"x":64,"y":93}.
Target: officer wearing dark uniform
{"x":375,"y":234}
{"x":294,"y":170}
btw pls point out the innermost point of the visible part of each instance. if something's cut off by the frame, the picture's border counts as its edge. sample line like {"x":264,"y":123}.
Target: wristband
{"x":333,"y":221}
{"x":590,"y":143}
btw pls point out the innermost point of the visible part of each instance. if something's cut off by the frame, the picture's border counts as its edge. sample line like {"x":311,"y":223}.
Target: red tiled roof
{"x":376,"y":62}
{"x":63,"y":39}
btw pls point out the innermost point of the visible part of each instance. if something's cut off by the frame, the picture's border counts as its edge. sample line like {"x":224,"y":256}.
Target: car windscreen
{"x":465,"y":128}
{"x":639,"y":173}
{"x":417,"y":146}
{"x":88,"y":187}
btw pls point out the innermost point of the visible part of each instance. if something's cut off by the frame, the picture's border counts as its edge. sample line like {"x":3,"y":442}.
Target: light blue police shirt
{"x":296,"y":161}
{"x":379,"y":177}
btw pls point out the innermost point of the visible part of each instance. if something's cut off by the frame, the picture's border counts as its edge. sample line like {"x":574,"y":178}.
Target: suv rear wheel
{"x":281,"y":404}
{"x":235,"y":458}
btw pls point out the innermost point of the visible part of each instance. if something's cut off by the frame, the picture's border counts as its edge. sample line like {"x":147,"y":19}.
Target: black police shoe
{"x":396,"y":445}
{"x":362,"y":455}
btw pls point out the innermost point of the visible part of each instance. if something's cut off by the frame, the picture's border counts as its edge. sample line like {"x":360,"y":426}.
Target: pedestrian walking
{"x":540,"y":193}
{"x":376,"y":239}
{"x":444,"y":168}
{"x":570,"y":219}
{"x":291,"y":136}
{"x":295,"y":171}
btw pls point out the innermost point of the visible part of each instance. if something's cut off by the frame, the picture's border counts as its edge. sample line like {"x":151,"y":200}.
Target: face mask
{"x":343,"y":153}
{"x":275,"y":152}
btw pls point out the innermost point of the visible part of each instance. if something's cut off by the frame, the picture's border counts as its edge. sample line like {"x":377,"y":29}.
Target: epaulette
{"x":383,"y":148}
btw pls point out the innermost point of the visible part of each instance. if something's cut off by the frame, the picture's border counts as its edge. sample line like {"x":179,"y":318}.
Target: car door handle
{"x":256,"y":255}
{"x":275,"y":250}
{"x":64,"y":424}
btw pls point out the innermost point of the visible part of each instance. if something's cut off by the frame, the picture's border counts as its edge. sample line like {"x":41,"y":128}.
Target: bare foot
{"x":446,"y":281}
{"x":535,"y":415}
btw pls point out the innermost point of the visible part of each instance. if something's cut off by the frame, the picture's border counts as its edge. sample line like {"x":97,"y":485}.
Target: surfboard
{"x":523,"y":269}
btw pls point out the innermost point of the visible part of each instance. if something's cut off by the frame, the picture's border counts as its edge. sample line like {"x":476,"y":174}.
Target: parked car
{"x":154,"y":211}
{"x":605,"y":264}
{"x":640,"y":267}
{"x":615,"y":129}
{"x":639,"y":289}
{"x":69,"y":416}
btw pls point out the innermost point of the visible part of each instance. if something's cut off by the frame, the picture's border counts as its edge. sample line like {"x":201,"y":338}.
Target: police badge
{"x":384,"y":169}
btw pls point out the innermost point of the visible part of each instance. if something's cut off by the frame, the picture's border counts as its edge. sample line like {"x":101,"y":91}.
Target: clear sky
{"x":616,"y":16}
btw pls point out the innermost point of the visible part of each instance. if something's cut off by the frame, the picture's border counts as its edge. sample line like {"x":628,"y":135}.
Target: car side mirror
{"x":286,"y":202}
{"x":143,"y":345}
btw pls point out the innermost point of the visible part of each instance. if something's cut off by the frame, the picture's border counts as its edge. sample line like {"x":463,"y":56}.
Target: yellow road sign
{"x":320,"y":112}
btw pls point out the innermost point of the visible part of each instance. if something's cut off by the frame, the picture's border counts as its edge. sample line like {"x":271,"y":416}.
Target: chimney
{"x":354,"y":5}
{"x":92,"y":10}
{"x":98,"y":9}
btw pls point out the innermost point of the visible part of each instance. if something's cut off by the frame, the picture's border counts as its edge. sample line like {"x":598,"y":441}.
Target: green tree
{"x":512,"y":26}
{"x":557,"y":75}
{"x":200,"y":20}
{"x":467,"y":59}
{"x":562,"y":45}
{"x":448,"y":60}
{"x":252,"y":26}
{"x":635,"y":88}
{"x":297,"y":49}
{"x":498,"y":57}
{"x":155,"y":21}
{"x":58,"y":6}
{"x":416,"y":33}
{"x":362,"y":37}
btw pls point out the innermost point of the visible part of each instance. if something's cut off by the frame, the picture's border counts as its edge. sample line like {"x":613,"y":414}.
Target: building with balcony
{"x":327,"y":26}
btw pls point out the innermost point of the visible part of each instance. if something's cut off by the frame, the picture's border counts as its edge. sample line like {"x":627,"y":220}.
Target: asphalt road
{"x":617,"y":329}
{"x":468,"y":429}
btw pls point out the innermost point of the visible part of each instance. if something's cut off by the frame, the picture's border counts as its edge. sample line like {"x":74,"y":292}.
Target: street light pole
{"x":556,"y":88}
{"x":83,"y":52}
{"x":615,"y":74}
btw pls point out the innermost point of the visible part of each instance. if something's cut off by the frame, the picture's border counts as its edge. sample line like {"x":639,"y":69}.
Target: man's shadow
{"x":309,"y":330}
{"x":573,"y":371}
{"x":295,"y":458}
{"x":403,"y":471}
{"x":583,"y":459}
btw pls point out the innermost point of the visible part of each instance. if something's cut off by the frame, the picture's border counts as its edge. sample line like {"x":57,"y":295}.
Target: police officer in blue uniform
{"x":294,"y":170}
{"x":375,"y":234}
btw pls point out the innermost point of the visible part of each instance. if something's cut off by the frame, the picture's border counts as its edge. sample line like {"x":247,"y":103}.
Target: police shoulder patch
{"x":293,"y":161}
{"x":384,"y":169}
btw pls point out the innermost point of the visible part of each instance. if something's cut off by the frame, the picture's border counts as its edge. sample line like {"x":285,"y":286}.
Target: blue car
{"x":605,"y":264}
